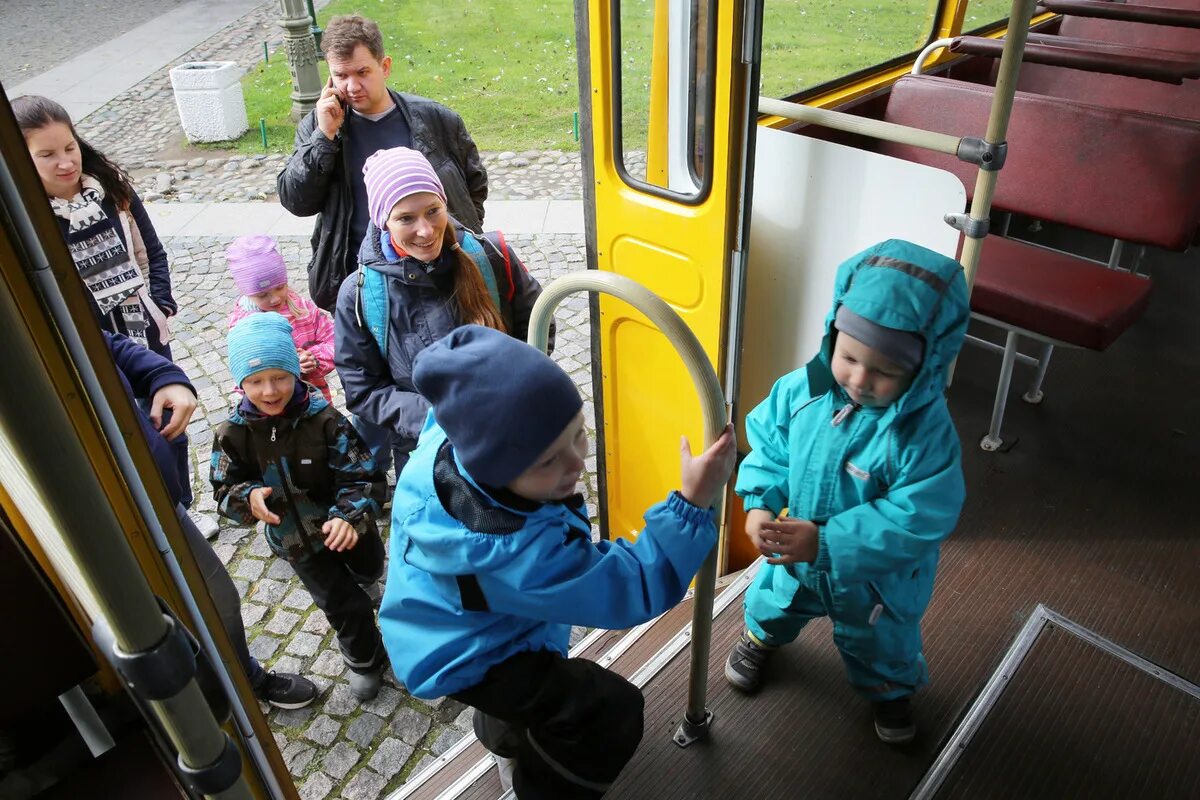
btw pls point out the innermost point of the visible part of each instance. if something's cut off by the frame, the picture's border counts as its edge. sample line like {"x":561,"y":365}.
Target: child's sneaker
{"x":285,"y":690}
{"x":893,"y":721}
{"x":744,"y":667}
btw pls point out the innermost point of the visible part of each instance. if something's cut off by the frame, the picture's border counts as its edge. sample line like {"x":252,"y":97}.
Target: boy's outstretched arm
{"x":560,"y":576}
{"x":232,"y":479}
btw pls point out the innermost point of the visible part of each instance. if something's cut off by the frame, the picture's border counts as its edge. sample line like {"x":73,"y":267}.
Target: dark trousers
{"x":570,"y":724}
{"x":224,"y":595}
{"x":333,"y":580}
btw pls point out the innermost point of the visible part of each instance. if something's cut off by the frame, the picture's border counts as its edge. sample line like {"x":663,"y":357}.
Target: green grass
{"x":508,"y":66}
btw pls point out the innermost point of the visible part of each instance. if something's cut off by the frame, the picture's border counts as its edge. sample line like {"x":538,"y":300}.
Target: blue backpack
{"x":373,"y":294}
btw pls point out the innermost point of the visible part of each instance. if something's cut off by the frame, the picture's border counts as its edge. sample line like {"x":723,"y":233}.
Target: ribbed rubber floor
{"x":1076,"y":721}
{"x":1092,"y":512}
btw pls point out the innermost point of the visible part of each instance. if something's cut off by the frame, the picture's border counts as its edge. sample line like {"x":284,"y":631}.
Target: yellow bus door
{"x":663,"y":172}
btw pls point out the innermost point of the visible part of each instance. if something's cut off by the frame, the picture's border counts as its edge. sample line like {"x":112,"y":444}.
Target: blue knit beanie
{"x":500,"y":401}
{"x":261,"y":341}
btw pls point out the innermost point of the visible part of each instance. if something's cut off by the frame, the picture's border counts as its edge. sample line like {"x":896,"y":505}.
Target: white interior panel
{"x":815,"y":204}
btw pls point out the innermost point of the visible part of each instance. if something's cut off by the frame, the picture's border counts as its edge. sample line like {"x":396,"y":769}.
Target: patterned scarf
{"x":104,"y":262}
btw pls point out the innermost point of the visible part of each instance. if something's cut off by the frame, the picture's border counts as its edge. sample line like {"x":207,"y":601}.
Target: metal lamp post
{"x":316,"y":29}
{"x":302,"y":57}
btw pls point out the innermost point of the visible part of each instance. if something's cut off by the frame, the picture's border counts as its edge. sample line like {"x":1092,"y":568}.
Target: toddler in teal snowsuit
{"x":860,"y":450}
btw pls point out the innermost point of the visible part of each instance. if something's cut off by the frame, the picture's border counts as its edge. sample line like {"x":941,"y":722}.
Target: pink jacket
{"x":312,"y":332}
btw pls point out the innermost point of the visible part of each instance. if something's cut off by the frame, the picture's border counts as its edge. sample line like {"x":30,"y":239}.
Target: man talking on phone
{"x":356,"y":115}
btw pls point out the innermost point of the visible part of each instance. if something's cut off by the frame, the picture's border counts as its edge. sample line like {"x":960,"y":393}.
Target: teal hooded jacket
{"x":885,"y":485}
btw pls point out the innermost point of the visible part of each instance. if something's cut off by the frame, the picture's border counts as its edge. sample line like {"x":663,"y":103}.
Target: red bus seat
{"x":1127,"y":175}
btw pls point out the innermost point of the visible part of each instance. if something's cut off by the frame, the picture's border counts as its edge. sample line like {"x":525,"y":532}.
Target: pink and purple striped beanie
{"x":392,"y":175}
{"x":255,"y":264}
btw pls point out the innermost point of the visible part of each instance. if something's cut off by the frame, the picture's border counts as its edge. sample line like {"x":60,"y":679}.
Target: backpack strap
{"x":472,"y":247}
{"x":373,"y":298}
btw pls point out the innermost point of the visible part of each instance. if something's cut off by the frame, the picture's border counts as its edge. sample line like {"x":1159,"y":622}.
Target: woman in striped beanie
{"x":260,"y":274}
{"x":421,"y":275}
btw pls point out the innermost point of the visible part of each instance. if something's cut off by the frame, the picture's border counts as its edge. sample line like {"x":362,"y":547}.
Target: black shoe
{"x":893,"y":721}
{"x":744,"y":668}
{"x":284,"y":690}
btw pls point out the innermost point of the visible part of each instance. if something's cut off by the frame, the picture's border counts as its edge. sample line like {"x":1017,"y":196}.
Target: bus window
{"x":806,"y":43}
{"x":662,"y":136}
{"x":984,"y":14}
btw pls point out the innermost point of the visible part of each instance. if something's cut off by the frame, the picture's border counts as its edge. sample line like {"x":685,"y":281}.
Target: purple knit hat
{"x":392,"y":175}
{"x":255,"y":264}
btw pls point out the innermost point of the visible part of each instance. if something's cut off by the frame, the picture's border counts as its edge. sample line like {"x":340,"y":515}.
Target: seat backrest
{"x":1117,"y":173}
{"x":1115,"y":91}
{"x":1166,"y":37}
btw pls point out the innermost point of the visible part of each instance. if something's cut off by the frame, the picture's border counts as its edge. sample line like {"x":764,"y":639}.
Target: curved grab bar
{"x":927,"y":51}
{"x":714,"y":410}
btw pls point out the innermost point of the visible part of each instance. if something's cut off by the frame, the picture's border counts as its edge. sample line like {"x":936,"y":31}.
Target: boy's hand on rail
{"x":181,"y":402}
{"x":787,"y":540}
{"x":705,"y":475}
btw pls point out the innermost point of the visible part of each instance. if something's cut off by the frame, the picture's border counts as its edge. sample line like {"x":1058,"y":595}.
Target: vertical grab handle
{"x":715,"y":414}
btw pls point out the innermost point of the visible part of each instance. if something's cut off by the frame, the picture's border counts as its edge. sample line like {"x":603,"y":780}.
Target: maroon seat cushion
{"x":1055,"y":294}
{"x":1117,"y":173}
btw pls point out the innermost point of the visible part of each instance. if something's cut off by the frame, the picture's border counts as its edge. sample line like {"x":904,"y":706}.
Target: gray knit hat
{"x":905,"y":348}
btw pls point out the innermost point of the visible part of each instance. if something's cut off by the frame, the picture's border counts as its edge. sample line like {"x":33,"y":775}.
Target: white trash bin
{"x":209,"y":97}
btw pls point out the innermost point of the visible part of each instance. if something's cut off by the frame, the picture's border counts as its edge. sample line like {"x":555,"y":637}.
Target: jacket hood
{"x":908,"y":287}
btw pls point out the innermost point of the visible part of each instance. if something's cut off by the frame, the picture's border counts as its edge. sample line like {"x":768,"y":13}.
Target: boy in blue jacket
{"x":492,"y":561}
{"x":859,"y":448}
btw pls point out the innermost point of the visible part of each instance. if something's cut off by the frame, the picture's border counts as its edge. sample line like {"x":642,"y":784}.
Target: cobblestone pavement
{"x":336,"y":747}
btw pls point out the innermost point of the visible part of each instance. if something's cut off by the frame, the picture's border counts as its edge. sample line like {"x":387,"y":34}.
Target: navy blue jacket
{"x":379,"y":389}
{"x":145,"y":372}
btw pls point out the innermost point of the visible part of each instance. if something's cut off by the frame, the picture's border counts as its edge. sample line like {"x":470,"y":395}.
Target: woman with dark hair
{"x":109,"y":234}
{"x":421,"y":275}
{"x":104,"y":223}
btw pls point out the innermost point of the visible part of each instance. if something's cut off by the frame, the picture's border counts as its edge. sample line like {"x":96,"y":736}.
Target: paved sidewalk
{"x":88,"y":81}
{"x":512,"y":217}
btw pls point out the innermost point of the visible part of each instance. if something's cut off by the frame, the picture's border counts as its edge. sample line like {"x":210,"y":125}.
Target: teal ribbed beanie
{"x":262,"y":341}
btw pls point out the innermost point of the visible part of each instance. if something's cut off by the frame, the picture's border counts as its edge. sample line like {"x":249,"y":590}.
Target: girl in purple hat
{"x":261,"y":275}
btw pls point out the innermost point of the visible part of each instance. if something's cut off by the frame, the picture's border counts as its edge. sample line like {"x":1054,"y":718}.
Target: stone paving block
{"x":316,"y":787}
{"x":322,"y":683}
{"x":260,"y":547}
{"x":242,"y":586}
{"x":224,"y":552}
{"x":288,"y":664}
{"x":269,"y":592}
{"x":280,"y":570}
{"x":323,"y":730}
{"x":249,"y":568}
{"x":384,"y":703}
{"x":292,"y":717}
{"x":410,"y":725}
{"x":390,"y":757}
{"x":282,"y":622}
{"x":316,"y":622}
{"x":425,"y":763}
{"x":304,"y":644}
{"x":464,"y":720}
{"x":299,"y":599}
{"x":362,"y":730}
{"x":365,"y":785}
{"x":252,"y":613}
{"x":329,"y":663}
{"x":445,"y":740}
{"x":341,"y":701}
{"x":340,"y":760}
{"x":263,"y":646}
{"x":297,"y":756}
